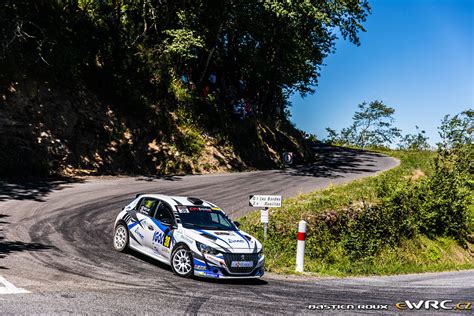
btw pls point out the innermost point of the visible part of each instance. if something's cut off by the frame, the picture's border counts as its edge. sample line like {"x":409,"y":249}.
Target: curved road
{"x":55,"y":242}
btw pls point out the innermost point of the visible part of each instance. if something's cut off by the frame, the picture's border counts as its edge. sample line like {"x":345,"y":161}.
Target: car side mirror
{"x":237,"y":224}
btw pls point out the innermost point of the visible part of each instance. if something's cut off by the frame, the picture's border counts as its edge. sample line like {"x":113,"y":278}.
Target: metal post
{"x":300,"y":246}
{"x":265,"y":226}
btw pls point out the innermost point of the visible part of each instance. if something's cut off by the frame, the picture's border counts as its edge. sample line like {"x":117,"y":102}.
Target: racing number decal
{"x":159,"y":237}
{"x":166,"y":241}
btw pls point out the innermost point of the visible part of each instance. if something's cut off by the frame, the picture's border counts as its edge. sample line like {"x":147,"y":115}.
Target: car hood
{"x":227,"y":241}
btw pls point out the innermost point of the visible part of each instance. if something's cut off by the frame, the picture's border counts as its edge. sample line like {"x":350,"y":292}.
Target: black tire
{"x":182,"y":261}
{"x":121,"y":237}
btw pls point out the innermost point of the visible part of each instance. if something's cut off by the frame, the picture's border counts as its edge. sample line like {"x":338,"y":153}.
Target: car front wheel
{"x":182,"y":261}
{"x":121,"y":238}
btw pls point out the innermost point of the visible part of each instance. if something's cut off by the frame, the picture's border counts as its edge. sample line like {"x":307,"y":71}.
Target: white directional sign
{"x":265,"y":200}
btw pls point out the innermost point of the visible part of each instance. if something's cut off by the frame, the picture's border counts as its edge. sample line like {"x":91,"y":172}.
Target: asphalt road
{"x":56,"y":243}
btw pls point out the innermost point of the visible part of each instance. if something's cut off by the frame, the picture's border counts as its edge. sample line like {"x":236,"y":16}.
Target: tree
{"x":456,"y":148}
{"x":372,"y":126}
{"x":417,"y":141}
{"x":275,"y":47}
{"x":458,"y":130}
{"x":333,"y":137}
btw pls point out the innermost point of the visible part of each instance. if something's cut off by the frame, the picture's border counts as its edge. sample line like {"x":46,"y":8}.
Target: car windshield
{"x":205,"y":218}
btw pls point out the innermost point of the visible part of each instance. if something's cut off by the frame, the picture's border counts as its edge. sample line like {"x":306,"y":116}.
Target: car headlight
{"x":206,"y":249}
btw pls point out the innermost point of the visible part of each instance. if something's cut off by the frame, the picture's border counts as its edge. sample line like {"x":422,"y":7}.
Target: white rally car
{"x":194,"y":236}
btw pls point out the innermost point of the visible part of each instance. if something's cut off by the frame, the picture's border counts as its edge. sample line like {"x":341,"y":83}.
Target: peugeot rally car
{"x":194,"y":236}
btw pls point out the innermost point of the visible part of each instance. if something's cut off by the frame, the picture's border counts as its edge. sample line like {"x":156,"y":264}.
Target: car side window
{"x":147,"y":205}
{"x":163,"y":214}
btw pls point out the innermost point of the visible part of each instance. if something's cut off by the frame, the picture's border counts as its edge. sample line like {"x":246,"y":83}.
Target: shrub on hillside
{"x":435,"y":205}
{"x":445,"y":199}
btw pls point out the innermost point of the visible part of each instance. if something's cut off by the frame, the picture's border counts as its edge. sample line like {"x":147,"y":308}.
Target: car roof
{"x":179,"y":200}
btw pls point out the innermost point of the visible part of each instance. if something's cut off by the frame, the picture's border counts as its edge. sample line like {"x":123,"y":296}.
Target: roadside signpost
{"x":264,"y":215}
{"x":288,"y":158}
{"x":265,"y":201}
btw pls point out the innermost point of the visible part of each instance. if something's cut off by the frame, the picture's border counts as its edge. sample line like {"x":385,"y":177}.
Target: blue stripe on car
{"x":199,"y":262}
{"x":134,"y":224}
{"x":238,"y":233}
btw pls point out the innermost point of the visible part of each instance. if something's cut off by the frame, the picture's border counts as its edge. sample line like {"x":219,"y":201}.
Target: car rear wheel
{"x":182,"y":262}
{"x":121,"y":238}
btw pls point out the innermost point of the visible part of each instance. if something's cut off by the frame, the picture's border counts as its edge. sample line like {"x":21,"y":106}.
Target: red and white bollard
{"x":300,"y":246}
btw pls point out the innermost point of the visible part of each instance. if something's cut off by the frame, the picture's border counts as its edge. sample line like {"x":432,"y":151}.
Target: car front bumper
{"x":212,"y":275}
{"x":215,"y":267}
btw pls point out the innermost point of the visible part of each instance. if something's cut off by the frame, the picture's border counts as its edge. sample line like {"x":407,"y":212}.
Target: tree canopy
{"x":372,"y":126}
{"x":417,"y":141}
{"x":274,"y":47}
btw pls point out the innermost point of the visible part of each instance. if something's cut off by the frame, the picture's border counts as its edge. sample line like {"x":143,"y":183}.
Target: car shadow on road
{"x":232,"y":281}
{"x":149,"y":260}
{"x":35,"y":190}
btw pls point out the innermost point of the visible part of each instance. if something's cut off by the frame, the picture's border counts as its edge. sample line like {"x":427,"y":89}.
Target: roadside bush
{"x":447,"y":198}
{"x":368,"y":231}
{"x":445,"y":203}
{"x":193,"y":143}
{"x":322,"y":239}
{"x":435,"y":205}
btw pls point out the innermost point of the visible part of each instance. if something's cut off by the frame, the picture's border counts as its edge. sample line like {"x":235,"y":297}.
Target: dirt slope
{"x":58,"y":128}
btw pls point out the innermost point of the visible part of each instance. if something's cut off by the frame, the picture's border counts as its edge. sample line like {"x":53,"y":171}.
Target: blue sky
{"x":416,"y":56}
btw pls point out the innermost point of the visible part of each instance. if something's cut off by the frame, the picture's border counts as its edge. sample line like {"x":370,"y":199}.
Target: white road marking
{"x":9,"y":288}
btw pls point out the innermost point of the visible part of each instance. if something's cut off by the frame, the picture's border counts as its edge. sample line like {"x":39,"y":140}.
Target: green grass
{"x":471,"y":210}
{"x":419,"y":254}
{"x":329,"y":214}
